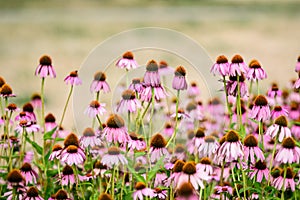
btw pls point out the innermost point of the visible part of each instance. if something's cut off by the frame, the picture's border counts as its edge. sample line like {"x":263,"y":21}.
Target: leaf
{"x":48,"y":135}
{"x":52,"y":172}
{"x":37,"y":147}
{"x":138,"y":154}
{"x":155,"y":169}
{"x":139,"y":177}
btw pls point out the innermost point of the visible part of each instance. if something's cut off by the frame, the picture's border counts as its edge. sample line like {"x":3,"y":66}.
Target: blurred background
{"x":68,"y":30}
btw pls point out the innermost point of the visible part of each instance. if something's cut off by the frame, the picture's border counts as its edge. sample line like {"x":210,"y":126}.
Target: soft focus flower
{"x":278,"y":111}
{"x":104,"y":196}
{"x":56,"y":150}
{"x":95,"y":108}
{"x":15,"y":178}
{"x":72,"y":155}
{"x":256,"y":72}
{"x":45,"y":68}
{"x":274,"y":91}
{"x":279,"y":128}
{"x":32,"y":194}
{"x":251,"y":150}
{"x":237,"y":66}
{"x":232,"y":86}
{"x":136,"y":143}
{"x":287,"y":182}
{"x":259,"y":171}
{"x":164,"y":69}
{"x":68,"y":176}
{"x":297,"y":68}
{"x":28,"y":173}
{"x":205,"y":166}
{"x":29,"y":110}
{"x":136,"y":85}
{"x":179,"y":81}
{"x":151,"y":77}
{"x":12,"y":108}
{"x":89,"y":139}
{"x":221,"y":67}
{"x":29,"y":127}
{"x":209,"y":147}
{"x":73,"y":78}
{"x":193,"y":90}
{"x":159,"y":93}
{"x":288,"y":152}
{"x":6,"y":91}
{"x":50,"y":123}
{"x":186,"y":191}
{"x":158,"y":148}
{"x":36,"y":101}
{"x":127,"y":61}
{"x":114,"y":158}
{"x":61,"y":195}
{"x":99,"y":83}
{"x":142,"y":191}
{"x":260,"y":110}
{"x":160,"y":194}
{"x":128,"y":103}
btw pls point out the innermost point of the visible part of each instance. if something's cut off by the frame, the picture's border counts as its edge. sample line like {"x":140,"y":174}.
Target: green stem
{"x":227,"y":102}
{"x":173,"y":137}
{"x":244,"y":179}
{"x":284,"y":179}
{"x":75,"y":169}
{"x":128,"y":121}
{"x":99,"y":121}
{"x":200,"y":195}
{"x":238,"y":104}
{"x":222,"y":173}
{"x":23,"y":139}
{"x":97,"y":99}
{"x":1,"y":107}
{"x":113,"y":183}
{"x":66,"y":105}
{"x":260,"y":132}
{"x":235,"y":184}
{"x":257,"y":87}
{"x":151,"y":116}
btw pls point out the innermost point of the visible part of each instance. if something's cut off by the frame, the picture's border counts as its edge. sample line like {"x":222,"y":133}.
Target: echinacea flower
{"x":116,"y":131}
{"x":142,"y":191}
{"x":232,"y":86}
{"x":209,"y":147}
{"x":295,"y":129}
{"x":180,"y":152}
{"x":89,"y":139}
{"x":193,"y":90}
{"x":176,"y":172}
{"x":56,"y":150}
{"x":237,"y":66}
{"x":72,"y":155}
{"x":194,"y":111}
{"x":179,"y":80}
{"x":99,"y":169}
{"x":61,"y":195}
{"x":168,"y":130}
{"x":32,"y":194}
{"x":160,"y":179}
{"x":36,"y":101}
{"x":286,"y":182}
{"x":99,"y":83}
{"x":251,"y":149}
{"x":29,"y":109}
{"x":28,"y":173}
{"x":256,"y":72}
{"x":193,"y":175}
{"x":274,"y":91}
{"x":164,"y":69}
{"x":260,"y":110}
{"x":95,"y":108}
{"x":288,"y":152}
{"x":136,"y":143}
{"x":68,"y":177}
{"x":160,"y":194}
{"x":221,"y":67}
{"x":6,"y":91}
{"x":297,"y":83}
{"x":297,"y":68}
{"x":198,"y":138}
{"x":279,"y":129}
{"x":136,"y":85}
{"x":278,"y":111}
{"x":158,"y":148}
{"x":12,"y":108}
{"x":15,"y":178}
{"x":232,"y":149}
{"x":104,"y":196}
{"x":205,"y":166}
{"x":127,"y":61}
{"x":158,"y":92}
{"x":114,"y":158}
{"x":45,"y":68}
{"x":129,"y":103}
{"x":186,"y":191}
{"x":2,"y":81}
{"x":73,"y":78}
{"x":151,"y":77}
{"x":259,"y":171}
{"x":29,"y":127}
{"x":50,"y":123}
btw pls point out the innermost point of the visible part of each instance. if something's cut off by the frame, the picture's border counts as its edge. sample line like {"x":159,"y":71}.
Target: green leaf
{"x":52,"y":172}
{"x":157,"y":166}
{"x":139,"y":177}
{"x":138,"y":154}
{"x":48,"y":135}
{"x":37,"y":147}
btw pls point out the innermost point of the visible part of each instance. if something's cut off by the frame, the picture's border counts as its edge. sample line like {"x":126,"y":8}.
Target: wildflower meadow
{"x":241,"y":144}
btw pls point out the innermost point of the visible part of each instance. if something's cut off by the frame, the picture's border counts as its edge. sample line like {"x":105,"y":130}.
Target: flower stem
{"x":235,"y":184}
{"x":99,"y":121}
{"x":260,"y":132}
{"x":113,"y":183}
{"x":97,"y":99}
{"x":176,"y":124}
{"x":128,"y":121}
{"x":227,"y":102}
{"x":222,"y":173}
{"x":244,"y":178}
{"x":272,"y":159}
{"x":283,"y":185}
{"x":257,"y":87}
{"x":66,"y":105}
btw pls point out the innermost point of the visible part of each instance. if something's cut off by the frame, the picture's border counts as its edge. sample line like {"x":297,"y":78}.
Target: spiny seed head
{"x":232,"y":136}
{"x":205,"y":161}
{"x":275,"y":87}
{"x":94,"y":104}
{"x":152,"y":66}
{"x":189,"y":168}
{"x":12,"y":107}
{"x":237,"y":59}
{"x":6,"y":89}
{"x":99,"y":165}
{"x":158,"y":141}
{"x":32,"y":192}
{"x":139,"y":186}
{"x":254,"y":64}
{"x":178,"y":166}
{"x":74,"y":73}
{"x":50,"y":118}
{"x":250,"y":141}
{"x":99,"y":76}
{"x":128,"y":55}
{"x":221,"y":59}
{"x":61,"y":195}
{"x":179,"y":148}
{"x":185,"y":190}
{"x":15,"y":176}
{"x":26,"y":167}
{"x":190,"y":134}
{"x":200,"y":133}
{"x":56,"y":147}
{"x":298,"y":59}
{"x":277,"y":108}
{"x":261,"y":165}
{"x":45,"y":60}
{"x":88,"y":132}
{"x":214,"y":101}
{"x":136,"y":81}
{"x":27,"y":107}
{"x":276,"y":172}
{"x":105,"y":196}
{"x":36,"y":96}
{"x":180,"y":71}
{"x":71,"y":139}
{"x":209,"y":139}
{"x":2,"y":81}
{"x":67,"y":170}
{"x":115,"y":121}
{"x":113,"y":151}
{"x":288,"y":143}
{"x":163,"y":64}
{"x":289,"y":173}
{"x":133,"y":136}
{"x":261,"y":100}
{"x":191,"y":106}
{"x":281,"y":121}
{"x":128,"y":94}
{"x":72,"y":149}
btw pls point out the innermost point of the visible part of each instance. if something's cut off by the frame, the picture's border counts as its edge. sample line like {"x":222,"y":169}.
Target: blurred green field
{"x":68,"y":30}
